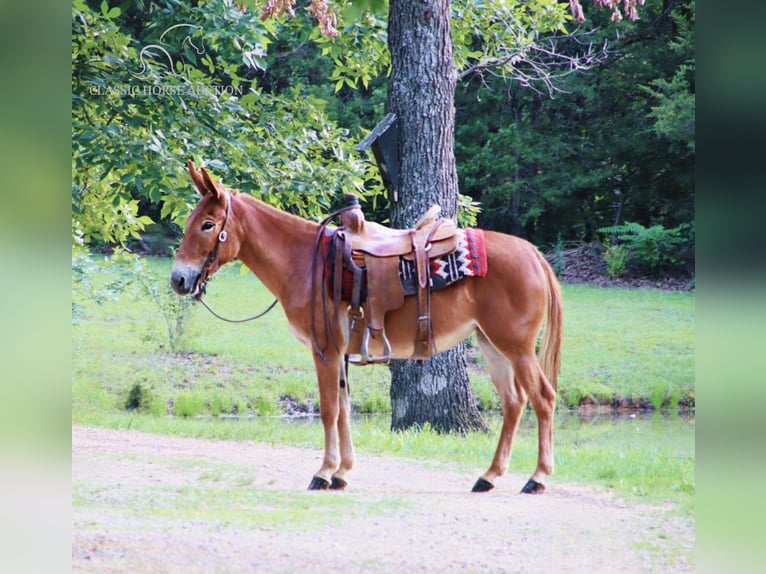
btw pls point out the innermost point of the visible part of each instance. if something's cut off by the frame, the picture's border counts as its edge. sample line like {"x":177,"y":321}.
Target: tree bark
{"x":422,"y":95}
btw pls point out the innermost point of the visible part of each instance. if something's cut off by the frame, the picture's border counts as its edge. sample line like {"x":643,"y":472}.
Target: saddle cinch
{"x":371,"y":253}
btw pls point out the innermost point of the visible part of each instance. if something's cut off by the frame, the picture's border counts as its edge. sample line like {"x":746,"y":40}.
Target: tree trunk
{"x":422,"y":95}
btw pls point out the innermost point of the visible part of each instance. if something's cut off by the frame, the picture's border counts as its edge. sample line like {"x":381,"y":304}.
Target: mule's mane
{"x":289,"y":218}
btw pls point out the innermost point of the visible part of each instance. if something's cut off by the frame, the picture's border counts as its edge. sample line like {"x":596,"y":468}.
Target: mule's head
{"x":206,"y":244}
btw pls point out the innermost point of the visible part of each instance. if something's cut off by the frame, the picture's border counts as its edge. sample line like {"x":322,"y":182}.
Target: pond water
{"x":635,"y":430}
{"x":565,"y":419}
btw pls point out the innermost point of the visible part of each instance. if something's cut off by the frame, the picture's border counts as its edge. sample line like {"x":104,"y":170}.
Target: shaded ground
{"x":585,"y":264}
{"x":145,"y":503}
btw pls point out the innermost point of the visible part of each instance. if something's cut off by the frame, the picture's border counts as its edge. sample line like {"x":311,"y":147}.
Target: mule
{"x":506,"y":309}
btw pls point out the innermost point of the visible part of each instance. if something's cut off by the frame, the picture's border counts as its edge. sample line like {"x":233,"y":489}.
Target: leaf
{"x":216,"y":164}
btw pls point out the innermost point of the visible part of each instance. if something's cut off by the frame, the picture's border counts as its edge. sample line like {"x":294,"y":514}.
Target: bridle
{"x":212,"y":258}
{"x":212,"y":263}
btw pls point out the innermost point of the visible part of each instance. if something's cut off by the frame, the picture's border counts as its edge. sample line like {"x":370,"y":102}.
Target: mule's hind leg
{"x":512,"y":400}
{"x":542,"y":395}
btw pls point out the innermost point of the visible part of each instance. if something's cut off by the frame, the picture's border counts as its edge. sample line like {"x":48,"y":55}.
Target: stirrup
{"x":365,"y":349}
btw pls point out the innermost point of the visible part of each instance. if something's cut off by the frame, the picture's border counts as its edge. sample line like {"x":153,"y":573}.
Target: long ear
{"x":212,"y":186}
{"x":197,"y":179}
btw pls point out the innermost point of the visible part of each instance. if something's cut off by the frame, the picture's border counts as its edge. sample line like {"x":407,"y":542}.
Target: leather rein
{"x":341,"y":257}
{"x":212,"y":263}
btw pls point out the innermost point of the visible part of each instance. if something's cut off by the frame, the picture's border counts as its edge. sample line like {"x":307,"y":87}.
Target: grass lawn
{"x":621,"y":346}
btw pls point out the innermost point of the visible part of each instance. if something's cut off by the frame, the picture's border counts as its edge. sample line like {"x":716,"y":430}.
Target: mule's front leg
{"x":344,"y":436}
{"x":334,"y":409}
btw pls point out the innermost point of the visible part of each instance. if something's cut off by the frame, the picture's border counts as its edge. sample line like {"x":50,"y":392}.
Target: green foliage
{"x":142,"y":398}
{"x":493,"y":32}
{"x":275,"y":108}
{"x":155,"y":85}
{"x":375,"y":400}
{"x":467,"y":211}
{"x":559,"y":263}
{"x":265,"y":404}
{"x":189,"y":404}
{"x":174,"y":310}
{"x":84,"y":270}
{"x":132,"y":274}
{"x":673,"y":113}
{"x":616,"y":257}
{"x":360,"y":54}
{"x":587,"y":392}
{"x":614,"y":142}
{"x":654,"y":249}
{"x":484,"y":390}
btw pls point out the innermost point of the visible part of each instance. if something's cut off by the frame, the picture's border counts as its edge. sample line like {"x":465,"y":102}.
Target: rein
{"x":350,"y":204}
{"x":212,"y":259}
{"x":258,"y":316}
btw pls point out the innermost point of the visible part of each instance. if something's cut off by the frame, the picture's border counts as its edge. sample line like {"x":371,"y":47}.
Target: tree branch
{"x":541,"y":63}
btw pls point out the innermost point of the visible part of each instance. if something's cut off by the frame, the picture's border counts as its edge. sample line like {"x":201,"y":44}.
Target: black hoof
{"x":319,"y":483}
{"x":338,"y":483}
{"x":533,"y":487}
{"x":482,"y":485}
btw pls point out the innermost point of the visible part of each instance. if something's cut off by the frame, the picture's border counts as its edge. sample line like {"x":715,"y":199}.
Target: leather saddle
{"x":371,"y":252}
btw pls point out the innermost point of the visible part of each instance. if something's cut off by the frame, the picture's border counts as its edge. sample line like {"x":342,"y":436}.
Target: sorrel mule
{"x":506,"y":309}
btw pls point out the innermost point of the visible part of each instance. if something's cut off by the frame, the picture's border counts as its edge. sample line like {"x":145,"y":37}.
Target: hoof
{"x":533,"y":487}
{"x":482,"y":485}
{"x":319,"y":483}
{"x":338,"y":483}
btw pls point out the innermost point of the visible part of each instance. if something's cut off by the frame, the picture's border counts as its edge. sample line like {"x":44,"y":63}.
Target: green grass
{"x":620,"y":346}
{"x":635,"y":346}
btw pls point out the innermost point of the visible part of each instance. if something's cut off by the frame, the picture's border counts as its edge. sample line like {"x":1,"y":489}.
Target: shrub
{"x":130,"y":272}
{"x":189,"y":404}
{"x":174,"y":310}
{"x":559,"y":263}
{"x":652,"y":249}
{"x":141,"y":397}
{"x":616,"y":257}
{"x":375,"y":401}
{"x":84,"y":270}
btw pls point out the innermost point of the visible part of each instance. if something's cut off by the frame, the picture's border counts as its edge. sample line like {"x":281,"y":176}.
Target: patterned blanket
{"x":468,"y":260}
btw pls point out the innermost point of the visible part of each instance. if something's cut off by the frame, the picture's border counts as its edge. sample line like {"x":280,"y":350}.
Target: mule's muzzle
{"x":184,"y":280}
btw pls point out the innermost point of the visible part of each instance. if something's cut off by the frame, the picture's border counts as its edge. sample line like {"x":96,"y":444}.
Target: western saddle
{"x":371,"y":253}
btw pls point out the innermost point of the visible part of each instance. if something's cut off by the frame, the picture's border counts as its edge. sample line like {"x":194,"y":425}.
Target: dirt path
{"x":145,"y":503}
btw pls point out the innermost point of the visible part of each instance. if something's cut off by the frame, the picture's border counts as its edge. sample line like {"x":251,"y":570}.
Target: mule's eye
{"x":208,"y":225}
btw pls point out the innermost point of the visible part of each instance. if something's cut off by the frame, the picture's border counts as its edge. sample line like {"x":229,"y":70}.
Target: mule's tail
{"x":550,"y":350}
